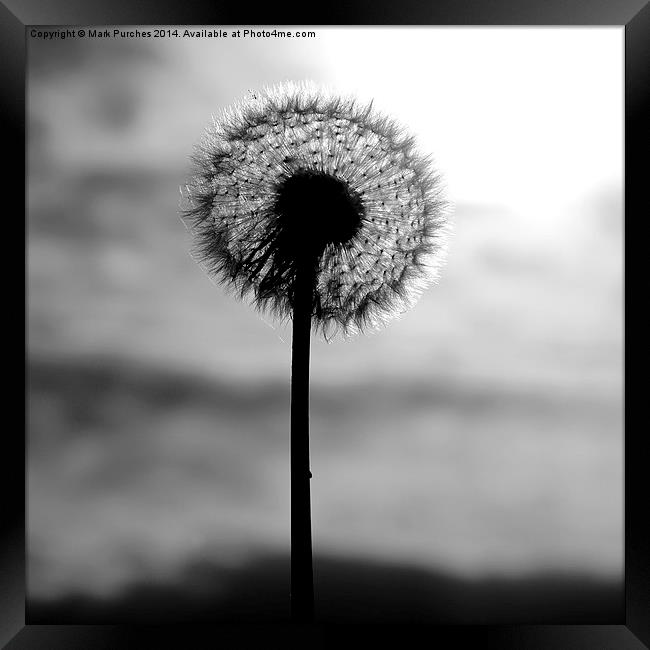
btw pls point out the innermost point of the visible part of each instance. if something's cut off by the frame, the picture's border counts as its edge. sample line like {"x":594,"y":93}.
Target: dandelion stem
{"x":302,"y":580}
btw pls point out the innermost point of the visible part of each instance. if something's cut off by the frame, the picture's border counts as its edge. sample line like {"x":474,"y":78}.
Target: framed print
{"x":443,"y":196}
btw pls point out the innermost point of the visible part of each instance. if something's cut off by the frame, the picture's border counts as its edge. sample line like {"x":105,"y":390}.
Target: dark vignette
{"x":637,"y":537}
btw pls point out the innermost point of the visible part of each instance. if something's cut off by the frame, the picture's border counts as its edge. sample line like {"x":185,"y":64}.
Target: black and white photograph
{"x":325,"y":324}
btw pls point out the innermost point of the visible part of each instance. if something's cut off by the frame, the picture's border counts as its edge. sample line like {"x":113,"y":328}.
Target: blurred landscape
{"x":467,"y":460}
{"x":162,"y":497}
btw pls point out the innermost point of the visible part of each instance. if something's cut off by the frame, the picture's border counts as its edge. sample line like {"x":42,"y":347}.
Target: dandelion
{"x":320,"y":210}
{"x":295,"y":178}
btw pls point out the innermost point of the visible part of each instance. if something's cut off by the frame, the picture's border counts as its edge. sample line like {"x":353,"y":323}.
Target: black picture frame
{"x":633,"y":631}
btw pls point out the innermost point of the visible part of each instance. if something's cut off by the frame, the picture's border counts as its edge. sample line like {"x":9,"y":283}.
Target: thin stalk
{"x":302,"y":580}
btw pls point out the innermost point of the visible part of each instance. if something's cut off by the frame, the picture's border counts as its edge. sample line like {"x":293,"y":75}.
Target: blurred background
{"x":467,"y":459}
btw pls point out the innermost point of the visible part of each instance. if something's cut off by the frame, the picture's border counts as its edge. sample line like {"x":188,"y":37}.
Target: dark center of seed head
{"x":316,"y":209}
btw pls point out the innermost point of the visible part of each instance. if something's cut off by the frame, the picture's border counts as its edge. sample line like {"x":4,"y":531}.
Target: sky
{"x":480,"y":433}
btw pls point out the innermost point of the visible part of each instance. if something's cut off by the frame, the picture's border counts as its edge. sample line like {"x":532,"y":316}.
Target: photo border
{"x":17,"y":15}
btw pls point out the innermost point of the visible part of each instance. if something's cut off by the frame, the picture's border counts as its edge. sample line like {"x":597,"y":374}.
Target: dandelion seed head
{"x":295,"y":176}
